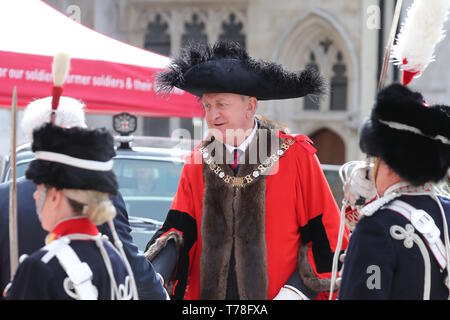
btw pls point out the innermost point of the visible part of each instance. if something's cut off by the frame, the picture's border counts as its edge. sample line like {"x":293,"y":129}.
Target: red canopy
{"x":108,"y":75}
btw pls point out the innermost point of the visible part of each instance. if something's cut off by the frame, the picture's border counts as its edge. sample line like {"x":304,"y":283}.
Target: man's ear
{"x":55,"y":196}
{"x":252,"y":104}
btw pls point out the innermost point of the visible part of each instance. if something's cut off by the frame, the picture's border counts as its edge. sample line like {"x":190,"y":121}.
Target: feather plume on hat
{"x":60,"y":70}
{"x":421,"y":31}
{"x":62,"y":111}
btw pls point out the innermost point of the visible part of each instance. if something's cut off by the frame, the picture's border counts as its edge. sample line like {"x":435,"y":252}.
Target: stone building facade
{"x":344,"y":40}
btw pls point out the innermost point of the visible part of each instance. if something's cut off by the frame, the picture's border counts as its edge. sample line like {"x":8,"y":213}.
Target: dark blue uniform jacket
{"x":32,"y":238}
{"x":372,"y":251}
{"x":36,"y":280}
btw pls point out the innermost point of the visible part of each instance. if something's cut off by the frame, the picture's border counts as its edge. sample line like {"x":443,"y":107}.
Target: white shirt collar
{"x":246,"y":142}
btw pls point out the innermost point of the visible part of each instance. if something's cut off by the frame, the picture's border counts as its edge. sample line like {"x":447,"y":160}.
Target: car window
{"x":147,"y":186}
{"x":335,"y":183}
{"x":21,"y":168}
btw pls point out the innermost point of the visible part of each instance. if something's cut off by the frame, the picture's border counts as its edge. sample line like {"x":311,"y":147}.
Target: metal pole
{"x":13,"y":239}
{"x":387,"y":52}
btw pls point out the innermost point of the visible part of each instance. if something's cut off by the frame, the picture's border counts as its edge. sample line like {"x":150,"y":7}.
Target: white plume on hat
{"x":421,"y":31}
{"x":70,"y":113}
{"x":60,"y":68}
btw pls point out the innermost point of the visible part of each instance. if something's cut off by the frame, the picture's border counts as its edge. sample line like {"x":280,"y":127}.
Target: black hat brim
{"x":227,"y":68}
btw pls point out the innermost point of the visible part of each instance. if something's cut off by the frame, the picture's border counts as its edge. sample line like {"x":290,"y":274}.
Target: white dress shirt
{"x":243,"y":146}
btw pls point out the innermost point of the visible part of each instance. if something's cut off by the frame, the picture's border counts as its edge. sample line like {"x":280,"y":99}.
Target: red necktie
{"x":236,"y":156}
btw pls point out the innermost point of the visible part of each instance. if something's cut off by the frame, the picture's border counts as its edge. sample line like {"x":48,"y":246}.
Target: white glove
{"x":290,"y":293}
{"x":359,"y":186}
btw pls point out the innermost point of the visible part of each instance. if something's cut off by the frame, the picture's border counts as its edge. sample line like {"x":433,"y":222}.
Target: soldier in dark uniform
{"x":400,"y":246}
{"x":30,"y":233}
{"x":74,"y":176}
{"x":69,"y":113}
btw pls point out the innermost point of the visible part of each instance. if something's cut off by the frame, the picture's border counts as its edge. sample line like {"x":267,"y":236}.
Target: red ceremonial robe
{"x":266,"y":220}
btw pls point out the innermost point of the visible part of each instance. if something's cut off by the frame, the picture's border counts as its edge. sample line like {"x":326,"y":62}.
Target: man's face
{"x":47,"y":216}
{"x":228,"y":112}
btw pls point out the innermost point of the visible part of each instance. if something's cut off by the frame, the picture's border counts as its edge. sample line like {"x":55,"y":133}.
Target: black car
{"x":148,"y":180}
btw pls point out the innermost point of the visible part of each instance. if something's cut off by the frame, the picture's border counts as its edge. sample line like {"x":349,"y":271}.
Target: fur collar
{"x":235,"y":216}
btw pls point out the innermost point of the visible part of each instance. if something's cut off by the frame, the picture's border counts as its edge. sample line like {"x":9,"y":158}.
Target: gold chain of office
{"x":241,"y":182}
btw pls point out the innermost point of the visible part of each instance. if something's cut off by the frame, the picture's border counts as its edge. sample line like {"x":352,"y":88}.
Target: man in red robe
{"x":253,"y":217}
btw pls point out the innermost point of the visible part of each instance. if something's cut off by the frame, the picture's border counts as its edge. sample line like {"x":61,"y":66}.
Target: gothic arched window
{"x":194,"y":31}
{"x":233,"y":30}
{"x":339,"y":84}
{"x":311,"y":103}
{"x":157,"y":37}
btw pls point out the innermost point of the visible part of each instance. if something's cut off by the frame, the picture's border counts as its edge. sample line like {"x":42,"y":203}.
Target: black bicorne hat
{"x":410,"y":136}
{"x":226,"y":67}
{"x":73,"y":158}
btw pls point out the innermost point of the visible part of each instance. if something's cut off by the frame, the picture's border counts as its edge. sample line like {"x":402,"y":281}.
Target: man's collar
{"x":395,"y":187}
{"x":404,"y":187}
{"x":70,"y":225}
{"x":246,"y":142}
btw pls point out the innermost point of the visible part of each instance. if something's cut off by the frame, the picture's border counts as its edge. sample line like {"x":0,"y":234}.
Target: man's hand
{"x":359,"y":189}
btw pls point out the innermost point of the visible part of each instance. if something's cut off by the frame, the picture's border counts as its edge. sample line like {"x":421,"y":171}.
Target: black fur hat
{"x":411,"y":137}
{"x":226,"y":67}
{"x":54,"y":145}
